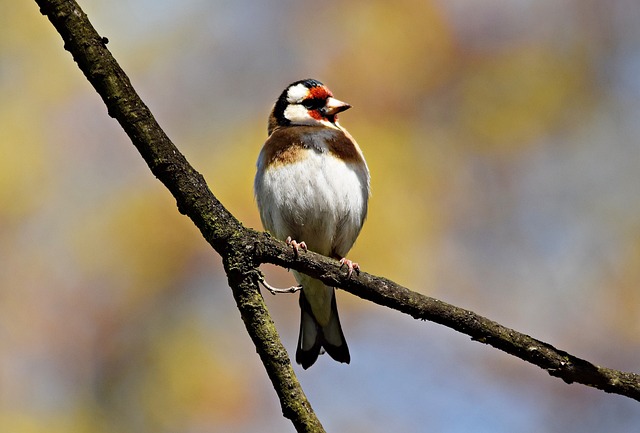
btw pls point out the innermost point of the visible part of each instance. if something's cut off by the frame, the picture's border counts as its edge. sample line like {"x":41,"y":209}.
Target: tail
{"x":320,"y":329}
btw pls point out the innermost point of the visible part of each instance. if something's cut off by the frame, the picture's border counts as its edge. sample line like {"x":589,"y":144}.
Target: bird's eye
{"x":313,"y":103}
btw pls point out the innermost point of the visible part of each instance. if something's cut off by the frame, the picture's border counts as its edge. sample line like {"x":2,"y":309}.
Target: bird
{"x":312,"y":188}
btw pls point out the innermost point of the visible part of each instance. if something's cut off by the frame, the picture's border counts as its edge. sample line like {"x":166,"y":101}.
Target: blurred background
{"x":503,"y":139}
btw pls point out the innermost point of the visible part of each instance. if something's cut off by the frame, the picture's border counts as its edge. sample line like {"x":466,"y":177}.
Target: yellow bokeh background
{"x":505,"y":158}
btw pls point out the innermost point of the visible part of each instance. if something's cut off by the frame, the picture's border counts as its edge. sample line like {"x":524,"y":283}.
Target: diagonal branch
{"x":218,"y":226}
{"x":243,"y":249}
{"x":385,"y":292}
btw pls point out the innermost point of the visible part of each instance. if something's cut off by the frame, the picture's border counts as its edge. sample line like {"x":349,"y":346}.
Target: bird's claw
{"x":295,"y":245}
{"x":351,"y":266}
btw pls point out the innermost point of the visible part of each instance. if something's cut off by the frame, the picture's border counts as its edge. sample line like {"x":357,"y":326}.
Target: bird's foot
{"x":296,"y":246}
{"x":351,"y":266}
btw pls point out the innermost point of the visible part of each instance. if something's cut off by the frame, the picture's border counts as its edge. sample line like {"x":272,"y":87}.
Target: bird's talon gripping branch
{"x":351,"y":266}
{"x":295,"y":245}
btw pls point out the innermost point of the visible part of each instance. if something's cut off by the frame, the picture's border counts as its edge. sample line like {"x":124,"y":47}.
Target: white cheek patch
{"x":297,"y":114}
{"x":297,"y":93}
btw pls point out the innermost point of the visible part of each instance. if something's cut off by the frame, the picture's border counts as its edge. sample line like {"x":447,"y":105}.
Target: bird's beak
{"x":334,"y":106}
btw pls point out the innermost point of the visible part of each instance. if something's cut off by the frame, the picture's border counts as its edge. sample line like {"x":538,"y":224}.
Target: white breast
{"x":320,"y":200}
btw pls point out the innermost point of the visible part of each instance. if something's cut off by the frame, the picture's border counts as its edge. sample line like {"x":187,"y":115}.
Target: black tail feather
{"x":307,"y":357}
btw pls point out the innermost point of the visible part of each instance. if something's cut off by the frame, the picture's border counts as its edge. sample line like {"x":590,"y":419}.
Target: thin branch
{"x":243,"y":250}
{"x":382,"y":291}
{"x":277,"y":290}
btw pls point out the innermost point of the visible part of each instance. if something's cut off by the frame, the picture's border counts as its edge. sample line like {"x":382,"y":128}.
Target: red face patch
{"x":315,"y":114}
{"x":319,"y":92}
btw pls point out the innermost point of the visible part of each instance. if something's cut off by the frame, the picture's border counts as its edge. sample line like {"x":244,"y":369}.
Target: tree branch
{"x":224,"y":232}
{"x":243,"y":249}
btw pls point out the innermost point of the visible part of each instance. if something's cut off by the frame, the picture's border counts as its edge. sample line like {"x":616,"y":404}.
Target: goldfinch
{"x":312,"y":188}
